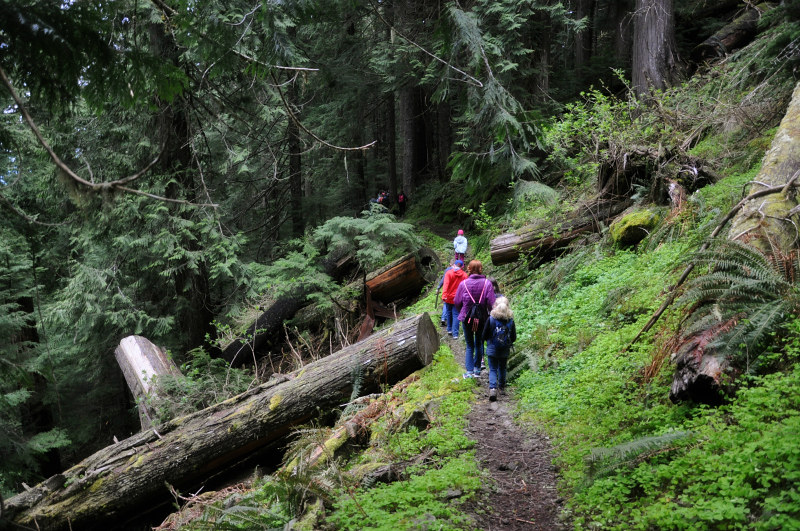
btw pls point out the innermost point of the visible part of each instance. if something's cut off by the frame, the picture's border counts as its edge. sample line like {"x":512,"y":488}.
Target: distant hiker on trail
{"x":401,"y":202}
{"x":460,"y":245}
{"x":474,"y":299}
{"x":452,"y":279}
{"x":500,"y":333}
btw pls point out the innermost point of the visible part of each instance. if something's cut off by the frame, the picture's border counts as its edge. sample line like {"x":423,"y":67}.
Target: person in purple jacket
{"x":476,"y":289}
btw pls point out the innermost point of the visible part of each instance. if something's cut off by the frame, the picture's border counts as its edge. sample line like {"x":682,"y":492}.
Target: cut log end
{"x":427,"y":340}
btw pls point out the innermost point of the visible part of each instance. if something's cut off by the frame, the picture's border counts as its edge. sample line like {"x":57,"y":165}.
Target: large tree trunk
{"x":767,"y":223}
{"x":131,"y":476}
{"x":543,"y":240}
{"x":415,"y":152}
{"x":295,"y":159}
{"x":584,"y":39}
{"x":655,"y":52}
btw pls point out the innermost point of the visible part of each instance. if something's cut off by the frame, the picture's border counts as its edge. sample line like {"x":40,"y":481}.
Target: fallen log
{"x":264,"y":332}
{"x":544,"y":239}
{"x":767,"y":221}
{"x":402,"y":278}
{"x":132,"y":475}
{"x":732,"y":36}
{"x":140,"y":361}
{"x":405,"y":277}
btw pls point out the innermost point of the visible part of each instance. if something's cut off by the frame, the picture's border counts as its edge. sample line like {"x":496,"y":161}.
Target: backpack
{"x":477,"y":314}
{"x":501,"y":336}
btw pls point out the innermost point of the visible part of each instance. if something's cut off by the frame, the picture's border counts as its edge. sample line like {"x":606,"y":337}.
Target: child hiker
{"x":500,"y":333}
{"x":460,"y":245}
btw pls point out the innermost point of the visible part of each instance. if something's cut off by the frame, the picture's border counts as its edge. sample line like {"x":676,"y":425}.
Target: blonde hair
{"x":475,"y":267}
{"x":501,"y":310}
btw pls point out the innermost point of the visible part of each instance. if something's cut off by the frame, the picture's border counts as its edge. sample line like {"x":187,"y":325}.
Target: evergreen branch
{"x":475,"y":82}
{"x":167,"y":11}
{"x":310,"y":133}
{"x":95,"y":187}
{"x":4,"y":200}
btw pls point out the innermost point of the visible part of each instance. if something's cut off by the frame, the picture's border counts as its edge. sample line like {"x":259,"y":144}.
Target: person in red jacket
{"x":454,"y":276}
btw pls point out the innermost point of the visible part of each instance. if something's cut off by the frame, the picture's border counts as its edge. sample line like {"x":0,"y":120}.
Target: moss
{"x":631,"y":228}
{"x":94,"y":487}
{"x":275,"y":401}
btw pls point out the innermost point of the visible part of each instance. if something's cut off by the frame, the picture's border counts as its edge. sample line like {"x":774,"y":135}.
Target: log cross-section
{"x":132,"y":474}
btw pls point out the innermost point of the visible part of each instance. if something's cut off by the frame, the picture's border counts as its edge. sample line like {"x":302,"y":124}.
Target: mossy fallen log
{"x":732,"y":36}
{"x":543,"y":240}
{"x":132,"y":475}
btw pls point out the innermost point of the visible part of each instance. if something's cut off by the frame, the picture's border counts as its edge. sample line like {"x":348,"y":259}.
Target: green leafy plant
{"x":744,"y":295}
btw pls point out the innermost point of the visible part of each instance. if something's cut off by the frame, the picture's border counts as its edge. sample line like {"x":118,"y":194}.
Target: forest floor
{"x":521,"y":493}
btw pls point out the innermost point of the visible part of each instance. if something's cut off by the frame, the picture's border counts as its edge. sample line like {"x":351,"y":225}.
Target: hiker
{"x":500,"y":333}
{"x":452,"y":279}
{"x":439,"y":288}
{"x":460,"y":245}
{"x":475,"y":291}
{"x":401,"y":202}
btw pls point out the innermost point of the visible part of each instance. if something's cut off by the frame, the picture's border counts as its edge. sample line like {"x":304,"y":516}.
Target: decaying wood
{"x":132,"y":474}
{"x":733,"y":36}
{"x":405,"y":277}
{"x":141,"y":361}
{"x":545,"y":238}
{"x":402,"y":278}
{"x":767,"y":219}
{"x":265,"y":332}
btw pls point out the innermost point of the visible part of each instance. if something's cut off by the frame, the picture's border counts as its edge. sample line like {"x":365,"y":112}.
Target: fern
{"x":602,"y":462}
{"x":745,"y":288}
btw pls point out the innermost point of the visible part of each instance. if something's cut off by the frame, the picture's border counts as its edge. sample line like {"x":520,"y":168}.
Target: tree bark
{"x":414,"y":148}
{"x":295,"y":160}
{"x":130,"y":476}
{"x":655,"y":55}
{"x":770,"y":225}
{"x":140,"y":360}
{"x":404,"y":277}
{"x":584,"y":38}
{"x":543,"y":240}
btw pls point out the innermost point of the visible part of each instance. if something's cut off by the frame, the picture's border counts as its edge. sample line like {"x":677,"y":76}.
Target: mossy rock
{"x":634,"y":225}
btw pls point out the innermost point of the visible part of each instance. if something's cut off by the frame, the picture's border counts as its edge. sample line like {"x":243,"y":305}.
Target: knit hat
{"x":460,"y":232}
{"x":459,"y":263}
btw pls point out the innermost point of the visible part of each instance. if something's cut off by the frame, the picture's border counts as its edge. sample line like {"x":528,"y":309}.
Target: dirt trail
{"x":521,"y":494}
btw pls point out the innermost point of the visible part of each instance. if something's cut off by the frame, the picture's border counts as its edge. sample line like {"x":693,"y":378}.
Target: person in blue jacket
{"x":500,"y":333}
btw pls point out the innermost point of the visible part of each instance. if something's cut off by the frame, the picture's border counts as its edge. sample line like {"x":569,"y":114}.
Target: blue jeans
{"x":452,"y":319}
{"x":474,"y":356}
{"x":444,"y":312}
{"x":497,"y":371}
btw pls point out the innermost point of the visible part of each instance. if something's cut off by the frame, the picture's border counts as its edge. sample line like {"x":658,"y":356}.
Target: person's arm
{"x":488,"y":330}
{"x":458,"y":301}
{"x":513,"y":331}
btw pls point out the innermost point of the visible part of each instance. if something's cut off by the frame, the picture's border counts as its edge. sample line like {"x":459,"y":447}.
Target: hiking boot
{"x":444,"y":323}
{"x":467,"y":375}
{"x":492,"y":394}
